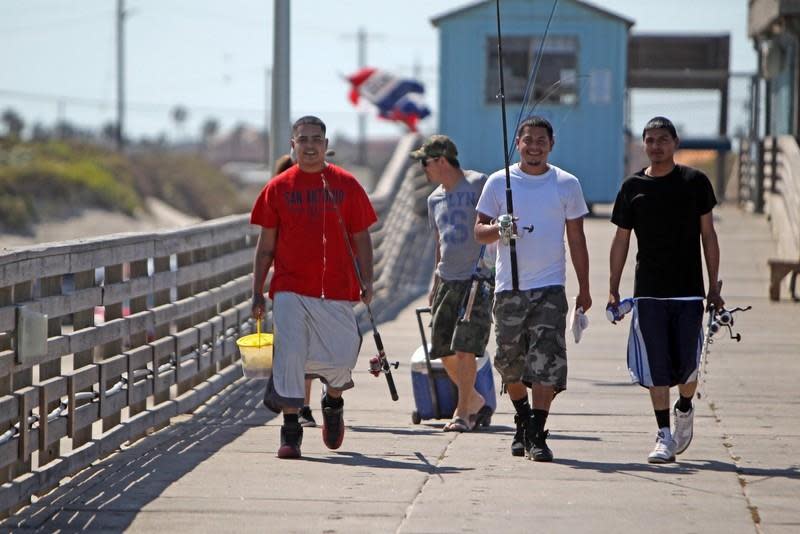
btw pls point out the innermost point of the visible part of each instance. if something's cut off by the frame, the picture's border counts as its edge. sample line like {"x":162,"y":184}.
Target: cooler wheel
{"x":415,"y":418}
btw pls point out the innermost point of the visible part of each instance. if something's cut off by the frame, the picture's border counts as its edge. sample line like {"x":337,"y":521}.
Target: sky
{"x":58,"y":57}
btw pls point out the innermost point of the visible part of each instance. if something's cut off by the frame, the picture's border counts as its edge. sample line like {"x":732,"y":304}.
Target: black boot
{"x":518,"y":443}
{"x":536,"y":445}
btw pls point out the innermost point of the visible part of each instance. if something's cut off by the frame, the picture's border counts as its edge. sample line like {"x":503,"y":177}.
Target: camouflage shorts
{"x":449,"y":334}
{"x":530,"y":327}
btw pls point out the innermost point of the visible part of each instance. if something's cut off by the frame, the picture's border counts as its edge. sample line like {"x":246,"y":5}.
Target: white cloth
{"x":313,"y":336}
{"x":578,"y":322}
{"x":546,"y":201}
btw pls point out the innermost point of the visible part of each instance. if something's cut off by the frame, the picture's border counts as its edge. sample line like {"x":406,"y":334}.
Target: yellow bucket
{"x":256,"y":351}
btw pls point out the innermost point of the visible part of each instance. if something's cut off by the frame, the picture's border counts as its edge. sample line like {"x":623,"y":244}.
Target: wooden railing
{"x":782,"y":204}
{"x":751,"y":175}
{"x":142,"y":327}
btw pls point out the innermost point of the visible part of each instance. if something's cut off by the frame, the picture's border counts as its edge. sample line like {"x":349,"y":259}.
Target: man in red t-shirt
{"x":302,"y":212}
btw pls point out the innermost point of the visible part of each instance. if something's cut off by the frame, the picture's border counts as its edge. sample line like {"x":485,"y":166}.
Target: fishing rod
{"x":507,"y":234}
{"x":380,"y":363}
{"x":530,"y":86}
{"x":717,"y":320}
{"x":477,"y":281}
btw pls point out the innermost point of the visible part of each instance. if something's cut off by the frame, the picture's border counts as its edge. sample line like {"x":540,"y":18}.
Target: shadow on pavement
{"x":381,"y":462}
{"x":555,"y":436}
{"x":686,"y":467}
{"x":418,"y":431}
{"x":109,"y":495}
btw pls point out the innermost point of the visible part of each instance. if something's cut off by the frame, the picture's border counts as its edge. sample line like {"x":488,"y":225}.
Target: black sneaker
{"x":539,"y":451}
{"x":518,"y":443}
{"x":291,"y":438}
{"x":332,"y":425}
{"x":305,"y":417}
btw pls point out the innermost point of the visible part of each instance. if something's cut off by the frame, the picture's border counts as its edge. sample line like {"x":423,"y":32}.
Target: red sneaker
{"x":291,"y":438}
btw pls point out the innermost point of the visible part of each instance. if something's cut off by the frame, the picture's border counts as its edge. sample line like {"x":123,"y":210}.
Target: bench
{"x":778,"y":269}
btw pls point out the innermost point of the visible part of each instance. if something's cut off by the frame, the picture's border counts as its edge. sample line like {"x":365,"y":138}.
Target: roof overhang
{"x":763,"y":15}
{"x":461,"y":10}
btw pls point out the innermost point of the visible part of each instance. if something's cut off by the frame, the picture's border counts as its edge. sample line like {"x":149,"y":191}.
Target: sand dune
{"x":96,"y":222}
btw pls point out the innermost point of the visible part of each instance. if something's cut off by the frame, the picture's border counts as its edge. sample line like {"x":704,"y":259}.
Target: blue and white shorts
{"x":665,"y":342}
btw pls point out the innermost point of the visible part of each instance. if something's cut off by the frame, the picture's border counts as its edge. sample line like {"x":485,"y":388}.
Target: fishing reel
{"x":376,"y":366}
{"x":724,"y":319}
{"x":506,"y":222}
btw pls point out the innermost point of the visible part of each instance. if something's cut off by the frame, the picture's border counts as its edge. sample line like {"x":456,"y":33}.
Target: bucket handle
{"x":258,"y":332}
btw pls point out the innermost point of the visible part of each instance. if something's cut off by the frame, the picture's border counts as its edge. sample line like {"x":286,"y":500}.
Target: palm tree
{"x":14,"y":124}
{"x":209,"y":130}
{"x":179,"y":115}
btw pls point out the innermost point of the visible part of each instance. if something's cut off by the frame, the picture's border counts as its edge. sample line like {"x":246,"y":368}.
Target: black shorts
{"x":665,"y":342}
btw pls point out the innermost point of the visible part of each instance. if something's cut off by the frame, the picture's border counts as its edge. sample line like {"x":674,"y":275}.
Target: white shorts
{"x":315,"y":338}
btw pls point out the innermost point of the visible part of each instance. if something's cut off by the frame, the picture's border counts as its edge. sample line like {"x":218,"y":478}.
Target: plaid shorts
{"x":530,"y":327}
{"x":449,"y":333}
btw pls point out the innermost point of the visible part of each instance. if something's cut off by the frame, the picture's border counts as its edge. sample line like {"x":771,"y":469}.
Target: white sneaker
{"x":684,"y":428}
{"x":664,"y":452}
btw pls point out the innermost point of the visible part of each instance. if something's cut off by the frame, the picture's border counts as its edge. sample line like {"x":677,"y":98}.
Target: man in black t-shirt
{"x":668,"y":207}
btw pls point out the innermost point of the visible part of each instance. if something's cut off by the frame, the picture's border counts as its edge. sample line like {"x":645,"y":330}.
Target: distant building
{"x":242,"y":144}
{"x":580,"y":86}
{"x":774,"y":26}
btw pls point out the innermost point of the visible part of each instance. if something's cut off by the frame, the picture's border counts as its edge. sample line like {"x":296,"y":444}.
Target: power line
{"x":66,"y":23}
{"x":102,"y":103}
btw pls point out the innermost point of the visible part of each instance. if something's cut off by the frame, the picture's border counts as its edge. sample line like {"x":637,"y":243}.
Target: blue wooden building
{"x":580,"y":86}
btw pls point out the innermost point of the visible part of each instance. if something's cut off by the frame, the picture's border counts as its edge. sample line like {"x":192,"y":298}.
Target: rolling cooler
{"x":435,"y":395}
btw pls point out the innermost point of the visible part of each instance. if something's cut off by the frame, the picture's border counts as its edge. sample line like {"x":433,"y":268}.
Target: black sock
{"x":540,"y":418}
{"x":684,"y":403}
{"x":523,"y":407}
{"x":290,"y":419}
{"x":332,"y":402}
{"x":662,"y":418}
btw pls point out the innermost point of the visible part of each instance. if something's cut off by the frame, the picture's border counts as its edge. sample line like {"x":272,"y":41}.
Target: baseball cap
{"x":436,"y":146}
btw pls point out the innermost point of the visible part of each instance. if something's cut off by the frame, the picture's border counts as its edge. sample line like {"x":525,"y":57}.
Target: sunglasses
{"x":424,"y":161}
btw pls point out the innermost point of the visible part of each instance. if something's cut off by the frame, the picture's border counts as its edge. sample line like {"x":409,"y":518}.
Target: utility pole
{"x":280,"y":128}
{"x":120,"y":130}
{"x":416,"y":69}
{"x":361,"y":37}
{"x":268,"y":138}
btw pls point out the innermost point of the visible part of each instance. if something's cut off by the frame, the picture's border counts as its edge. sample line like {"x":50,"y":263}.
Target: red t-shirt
{"x":296,"y":204}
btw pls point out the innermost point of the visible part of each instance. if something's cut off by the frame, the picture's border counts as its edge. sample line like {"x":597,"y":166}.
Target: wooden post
{"x":5,"y":380}
{"x":80,"y":320}
{"x":161,"y":264}
{"x":138,"y":270}
{"x":50,"y":286}
{"x":113,"y":275}
{"x":23,"y":292}
{"x":184,"y":291}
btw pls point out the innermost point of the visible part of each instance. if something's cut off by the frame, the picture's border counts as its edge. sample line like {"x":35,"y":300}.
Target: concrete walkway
{"x":216,"y":471}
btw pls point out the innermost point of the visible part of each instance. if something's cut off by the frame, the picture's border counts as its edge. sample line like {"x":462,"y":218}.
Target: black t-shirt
{"x":664,"y":213}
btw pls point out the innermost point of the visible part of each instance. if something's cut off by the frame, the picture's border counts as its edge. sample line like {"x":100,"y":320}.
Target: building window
{"x":556,"y":82}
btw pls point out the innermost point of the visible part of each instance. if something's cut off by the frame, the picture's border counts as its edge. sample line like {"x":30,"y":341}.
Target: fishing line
{"x":531,"y":84}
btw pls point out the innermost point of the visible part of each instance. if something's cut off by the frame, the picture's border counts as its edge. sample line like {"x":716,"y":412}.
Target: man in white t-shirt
{"x":530,"y":320}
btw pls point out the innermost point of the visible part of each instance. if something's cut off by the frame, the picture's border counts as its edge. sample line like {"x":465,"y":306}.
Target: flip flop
{"x":482,"y":417}
{"x":458,"y":424}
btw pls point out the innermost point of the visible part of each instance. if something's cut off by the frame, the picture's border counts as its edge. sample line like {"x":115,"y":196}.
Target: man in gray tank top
{"x":451,"y":213}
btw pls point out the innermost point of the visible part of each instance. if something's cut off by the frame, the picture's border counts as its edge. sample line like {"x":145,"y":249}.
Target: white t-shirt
{"x":545,"y":201}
